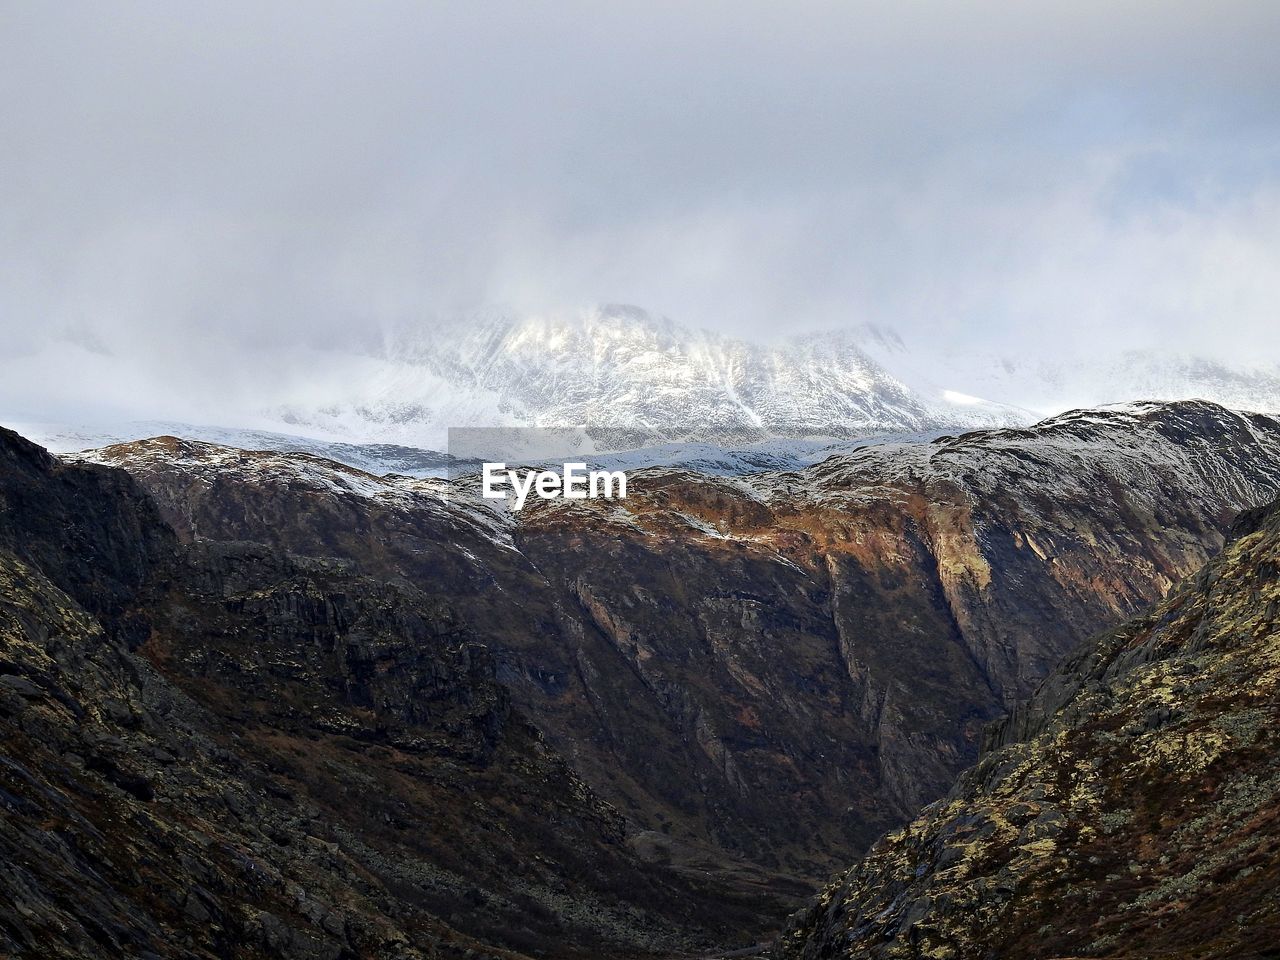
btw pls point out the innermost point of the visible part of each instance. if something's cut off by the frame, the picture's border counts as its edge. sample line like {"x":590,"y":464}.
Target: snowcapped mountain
{"x":637,"y":380}
{"x":634,"y":380}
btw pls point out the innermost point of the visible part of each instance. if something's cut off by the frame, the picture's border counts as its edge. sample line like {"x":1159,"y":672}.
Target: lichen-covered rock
{"x":1130,"y":809}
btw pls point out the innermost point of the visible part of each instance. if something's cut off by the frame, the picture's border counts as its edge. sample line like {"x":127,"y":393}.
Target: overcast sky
{"x":180,"y":178}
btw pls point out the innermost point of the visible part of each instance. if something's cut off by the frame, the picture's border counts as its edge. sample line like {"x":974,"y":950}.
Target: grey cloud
{"x":189,"y":182}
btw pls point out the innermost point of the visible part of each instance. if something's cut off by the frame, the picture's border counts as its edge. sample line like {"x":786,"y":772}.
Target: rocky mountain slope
{"x":764,"y":673}
{"x":1129,"y":809}
{"x":217,"y":749}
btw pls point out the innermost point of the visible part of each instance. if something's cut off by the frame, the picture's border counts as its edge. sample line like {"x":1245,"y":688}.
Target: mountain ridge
{"x":837,"y":635}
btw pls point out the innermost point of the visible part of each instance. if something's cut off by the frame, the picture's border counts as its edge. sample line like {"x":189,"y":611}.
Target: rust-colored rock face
{"x":1129,"y":809}
{"x":767,"y":672}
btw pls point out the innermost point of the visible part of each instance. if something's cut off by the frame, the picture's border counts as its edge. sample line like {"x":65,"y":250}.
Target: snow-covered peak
{"x":634,"y":379}
{"x":637,"y":380}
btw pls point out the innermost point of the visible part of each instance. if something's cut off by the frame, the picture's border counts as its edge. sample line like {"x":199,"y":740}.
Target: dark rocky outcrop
{"x":219,"y":750}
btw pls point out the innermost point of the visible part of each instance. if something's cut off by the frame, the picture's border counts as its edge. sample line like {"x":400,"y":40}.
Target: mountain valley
{"x":655,"y":725}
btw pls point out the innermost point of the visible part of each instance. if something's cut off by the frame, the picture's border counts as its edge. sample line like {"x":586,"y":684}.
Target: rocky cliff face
{"x":221,"y":750}
{"x":762,"y":674}
{"x":1129,"y":809}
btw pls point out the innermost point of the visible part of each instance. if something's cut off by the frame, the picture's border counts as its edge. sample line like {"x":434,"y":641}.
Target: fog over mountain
{"x":632,"y":379}
{"x":207,"y":210}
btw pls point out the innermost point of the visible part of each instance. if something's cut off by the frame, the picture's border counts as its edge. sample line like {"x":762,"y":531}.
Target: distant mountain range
{"x":639,"y":381}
